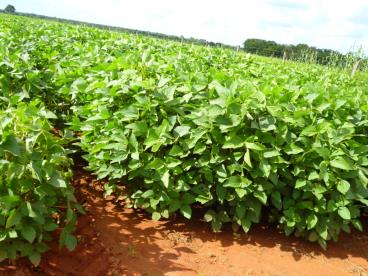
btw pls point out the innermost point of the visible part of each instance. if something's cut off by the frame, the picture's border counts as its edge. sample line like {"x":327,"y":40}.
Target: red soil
{"x":114,"y":240}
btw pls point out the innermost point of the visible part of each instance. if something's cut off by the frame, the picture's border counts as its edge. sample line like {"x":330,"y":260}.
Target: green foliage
{"x":236,"y":134}
{"x":127,"y":30}
{"x":183,"y":125}
{"x":35,"y":197}
{"x":230,"y":148}
{"x":9,"y":9}
{"x":305,"y":53}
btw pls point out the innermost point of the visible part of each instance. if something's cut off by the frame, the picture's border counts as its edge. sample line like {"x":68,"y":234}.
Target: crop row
{"x":182,"y":125}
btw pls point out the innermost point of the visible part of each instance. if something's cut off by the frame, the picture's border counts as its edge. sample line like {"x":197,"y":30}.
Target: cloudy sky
{"x":333,"y":24}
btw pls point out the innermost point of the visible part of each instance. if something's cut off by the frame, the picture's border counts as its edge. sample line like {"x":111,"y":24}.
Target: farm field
{"x":138,"y":155}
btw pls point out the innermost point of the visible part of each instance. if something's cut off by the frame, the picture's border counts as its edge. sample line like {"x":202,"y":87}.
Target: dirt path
{"x":114,"y":240}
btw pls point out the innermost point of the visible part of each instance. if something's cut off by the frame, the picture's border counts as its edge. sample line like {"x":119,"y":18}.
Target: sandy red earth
{"x":114,"y":240}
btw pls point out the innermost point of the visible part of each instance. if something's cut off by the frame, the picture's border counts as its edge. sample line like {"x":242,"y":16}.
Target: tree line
{"x":301,"y":52}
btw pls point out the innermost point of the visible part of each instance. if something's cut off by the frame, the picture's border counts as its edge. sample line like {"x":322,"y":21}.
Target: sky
{"x":333,"y":24}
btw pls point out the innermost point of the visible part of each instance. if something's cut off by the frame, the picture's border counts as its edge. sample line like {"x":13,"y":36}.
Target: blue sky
{"x":333,"y":24}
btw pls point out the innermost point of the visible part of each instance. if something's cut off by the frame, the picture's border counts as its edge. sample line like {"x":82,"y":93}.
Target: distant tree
{"x":300,"y":52}
{"x":10,"y":9}
{"x":263,"y":47}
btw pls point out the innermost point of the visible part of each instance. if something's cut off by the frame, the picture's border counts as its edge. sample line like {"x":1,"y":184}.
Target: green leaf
{"x":241,"y":192}
{"x":271,"y":153}
{"x":265,"y":168}
{"x":57,"y":181}
{"x":139,"y":128}
{"x":261,"y":196}
{"x":237,"y":182}
{"x":163,"y":81}
{"x":276,"y":200}
{"x":313,"y":175}
{"x":31,"y":212}
{"x":9,"y":202}
{"x":165,"y":178}
{"x":172,"y":162}
{"x":11,"y":145}
{"x":323,"y":152}
{"x":209,"y":216}
{"x":29,"y":233}
{"x":148,"y":194}
{"x":363,"y":179}
{"x":216,"y":225}
{"x":267,"y":123}
{"x":357,"y":224}
{"x":181,"y":131}
{"x":364,"y":201}
{"x":246,"y":224}
{"x":174,"y":206}
{"x":343,"y":186}
{"x":133,"y":142}
{"x":322,"y":230}
{"x":50,"y":226}
{"x":300,"y":183}
{"x":186,"y":211}
{"x":176,"y":151}
{"x":342,"y":163}
{"x":254,"y":146}
{"x":221,"y":172}
{"x":293,"y":149}
{"x":313,"y":236}
{"x":223,"y":217}
{"x":233,"y":143}
{"x":165,"y":214}
{"x":70,"y":242}
{"x":135,"y":155}
{"x":344,"y":213}
{"x":48,"y":114}
{"x":311,"y":221}
{"x":13,"y":234}
{"x":309,"y":131}
{"x":221,"y":192}
{"x":13,"y":219}
{"x":188,"y":199}
{"x":34,"y":257}
{"x":247,"y":158}
{"x":156,"y":216}
{"x":240,"y":211}
{"x":322,"y":243}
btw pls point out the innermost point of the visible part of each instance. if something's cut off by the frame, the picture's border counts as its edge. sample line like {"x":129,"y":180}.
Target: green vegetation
{"x":127,"y":30}
{"x":305,"y":53}
{"x":300,"y":52}
{"x":9,"y":9}
{"x":35,"y":197}
{"x":181,"y":125}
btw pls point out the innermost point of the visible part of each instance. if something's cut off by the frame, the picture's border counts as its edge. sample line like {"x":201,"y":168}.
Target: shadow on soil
{"x":143,"y":236}
{"x":354,"y":244}
{"x":120,"y":241}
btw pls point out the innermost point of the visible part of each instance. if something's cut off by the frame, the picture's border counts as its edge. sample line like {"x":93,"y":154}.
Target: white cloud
{"x":327,"y":24}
